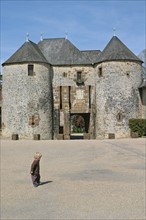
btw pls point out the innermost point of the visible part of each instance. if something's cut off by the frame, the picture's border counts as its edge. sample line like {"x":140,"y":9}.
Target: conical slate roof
{"x":28,"y":52}
{"x":116,"y":50}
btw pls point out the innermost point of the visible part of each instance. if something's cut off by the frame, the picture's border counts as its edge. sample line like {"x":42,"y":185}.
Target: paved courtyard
{"x":86,"y":179}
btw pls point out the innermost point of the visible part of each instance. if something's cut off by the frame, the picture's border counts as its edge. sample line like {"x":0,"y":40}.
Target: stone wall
{"x":27,"y":101}
{"x":117,"y":97}
{"x":107,"y":96}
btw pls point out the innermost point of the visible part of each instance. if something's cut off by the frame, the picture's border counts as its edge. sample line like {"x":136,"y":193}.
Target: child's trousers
{"x":35,"y":179}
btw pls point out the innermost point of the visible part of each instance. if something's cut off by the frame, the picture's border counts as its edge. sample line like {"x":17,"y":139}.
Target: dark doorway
{"x":79,"y":125}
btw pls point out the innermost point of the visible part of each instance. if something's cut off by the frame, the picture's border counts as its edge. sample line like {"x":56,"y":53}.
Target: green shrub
{"x":138,"y":125}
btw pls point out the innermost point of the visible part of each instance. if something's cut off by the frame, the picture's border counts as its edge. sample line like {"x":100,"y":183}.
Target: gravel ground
{"x":86,"y":179}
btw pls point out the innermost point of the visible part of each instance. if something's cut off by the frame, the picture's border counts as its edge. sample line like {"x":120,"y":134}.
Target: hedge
{"x":138,"y":125}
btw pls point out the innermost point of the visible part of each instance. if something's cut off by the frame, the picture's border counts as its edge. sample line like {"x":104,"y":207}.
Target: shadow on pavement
{"x":43,"y":183}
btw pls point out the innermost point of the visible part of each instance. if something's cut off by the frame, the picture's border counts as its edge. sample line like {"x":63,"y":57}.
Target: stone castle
{"x":55,"y":91}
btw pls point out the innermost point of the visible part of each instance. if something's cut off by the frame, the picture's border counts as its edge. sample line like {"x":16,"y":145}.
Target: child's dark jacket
{"x":35,"y":167}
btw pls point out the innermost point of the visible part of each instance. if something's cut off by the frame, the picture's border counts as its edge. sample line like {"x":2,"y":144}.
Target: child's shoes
{"x":35,"y":185}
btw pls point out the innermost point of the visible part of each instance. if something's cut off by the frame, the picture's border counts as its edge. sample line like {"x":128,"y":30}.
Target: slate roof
{"x":92,"y":54}
{"x":28,"y":52}
{"x":116,"y":50}
{"x":60,"y":51}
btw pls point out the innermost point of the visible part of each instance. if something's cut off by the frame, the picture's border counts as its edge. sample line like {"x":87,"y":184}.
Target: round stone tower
{"x":27,"y":94}
{"x":118,"y":76}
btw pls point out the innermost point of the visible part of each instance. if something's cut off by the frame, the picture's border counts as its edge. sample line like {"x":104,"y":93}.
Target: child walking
{"x":35,"y":169}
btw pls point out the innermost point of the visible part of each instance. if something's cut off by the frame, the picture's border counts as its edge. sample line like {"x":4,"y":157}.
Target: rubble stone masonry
{"x":27,"y":101}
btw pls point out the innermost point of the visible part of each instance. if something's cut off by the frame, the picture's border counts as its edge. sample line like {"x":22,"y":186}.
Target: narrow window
{"x":78,"y":76}
{"x":119,"y":117}
{"x":89,"y":96}
{"x":31,"y":120}
{"x":60,"y":97}
{"x":69,"y":88}
{"x":128,"y":74}
{"x":100,"y":71}
{"x":30,"y":70}
{"x":34,"y":120}
{"x":64,"y":74}
{"x":79,"y":79}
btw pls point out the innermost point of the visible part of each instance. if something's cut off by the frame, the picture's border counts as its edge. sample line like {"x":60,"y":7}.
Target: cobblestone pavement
{"x":86,"y":179}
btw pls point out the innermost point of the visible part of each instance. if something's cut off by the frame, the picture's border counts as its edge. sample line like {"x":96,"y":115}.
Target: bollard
{"x":36,"y":137}
{"x":111,"y":136}
{"x":15,"y":137}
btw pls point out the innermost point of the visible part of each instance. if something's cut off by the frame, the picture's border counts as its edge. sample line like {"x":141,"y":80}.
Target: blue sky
{"x":89,"y":23}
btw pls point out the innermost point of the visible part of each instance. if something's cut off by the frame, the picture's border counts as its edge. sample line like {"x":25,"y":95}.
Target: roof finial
{"x":27,"y":37}
{"x":114,"y":30}
{"x":41,"y":36}
{"x":66,"y":35}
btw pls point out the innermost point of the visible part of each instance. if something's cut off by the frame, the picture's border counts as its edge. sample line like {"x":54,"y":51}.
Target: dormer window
{"x":30,"y":70}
